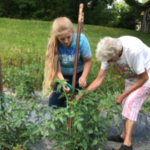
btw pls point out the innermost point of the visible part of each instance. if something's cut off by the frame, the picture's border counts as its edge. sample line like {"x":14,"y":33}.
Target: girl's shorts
{"x":132,"y":103}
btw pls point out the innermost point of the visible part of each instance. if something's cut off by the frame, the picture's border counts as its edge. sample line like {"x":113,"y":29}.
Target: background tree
{"x":118,"y":10}
{"x":126,"y":14}
{"x":122,"y":14}
{"x":144,"y":1}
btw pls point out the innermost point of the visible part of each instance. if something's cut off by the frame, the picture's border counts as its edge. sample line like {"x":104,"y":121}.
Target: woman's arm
{"x":143,"y":77}
{"x":87,"y":66}
{"x":97,"y":82}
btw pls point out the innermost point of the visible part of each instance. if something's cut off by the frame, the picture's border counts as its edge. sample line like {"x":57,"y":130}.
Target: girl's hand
{"x":66,"y":89}
{"x":82,"y":82}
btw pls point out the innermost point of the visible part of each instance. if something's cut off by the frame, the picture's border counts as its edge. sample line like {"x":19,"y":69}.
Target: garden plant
{"x":16,"y":126}
{"x":89,"y":128}
{"x":22,"y":81}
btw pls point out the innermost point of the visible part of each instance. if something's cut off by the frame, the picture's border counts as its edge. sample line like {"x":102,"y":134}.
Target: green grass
{"x":24,"y":42}
{"x":29,"y":38}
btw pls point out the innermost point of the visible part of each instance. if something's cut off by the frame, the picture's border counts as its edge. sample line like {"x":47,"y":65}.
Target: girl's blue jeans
{"x":61,"y":102}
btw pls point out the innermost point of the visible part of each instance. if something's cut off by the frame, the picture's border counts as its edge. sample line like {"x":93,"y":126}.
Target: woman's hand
{"x":120,"y":98}
{"x":78,"y":97}
{"x":82,"y":82}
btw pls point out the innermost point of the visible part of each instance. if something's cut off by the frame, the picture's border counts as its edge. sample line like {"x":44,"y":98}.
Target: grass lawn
{"x":24,"y":42}
{"x":29,"y":38}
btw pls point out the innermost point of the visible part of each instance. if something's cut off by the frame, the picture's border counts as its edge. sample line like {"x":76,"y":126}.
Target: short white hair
{"x":108,"y":48}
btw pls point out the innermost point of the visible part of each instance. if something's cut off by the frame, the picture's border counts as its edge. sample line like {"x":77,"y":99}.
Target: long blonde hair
{"x":52,"y":55}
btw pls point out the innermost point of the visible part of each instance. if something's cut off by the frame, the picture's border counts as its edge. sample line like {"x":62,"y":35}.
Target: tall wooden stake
{"x":76,"y":54}
{"x":82,"y":22}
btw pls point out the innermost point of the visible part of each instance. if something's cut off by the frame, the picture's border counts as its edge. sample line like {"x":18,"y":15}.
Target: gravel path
{"x":139,"y":137}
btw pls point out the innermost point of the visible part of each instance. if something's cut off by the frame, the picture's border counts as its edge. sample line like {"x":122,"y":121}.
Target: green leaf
{"x":32,"y":138}
{"x":59,"y":86}
{"x":117,"y":121}
{"x":66,"y":142}
{"x":81,"y":119}
{"x":36,"y":129}
{"x":95,"y":118}
{"x":75,"y":123}
{"x":71,"y":115}
{"x":52,"y":135}
{"x":84,"y":143}
{"x":52,"y":126}
{"x":96,"y":129}
{"x":95,"y":141}
{"x":89,"y":131}
{"x":86,"y":108}
{"x":15,"y":124}
{"x":31,"y":123}
{"x":33,"y":105}
{"x":25,"y":133}
{"x":79,"y":126}
{"x":45,"y":133}
{"x":110,"y":117}
{"x":61,"y":96}
{"x":25,"y":142}
{"x":61,"y":119}
{"x":86,"y":137}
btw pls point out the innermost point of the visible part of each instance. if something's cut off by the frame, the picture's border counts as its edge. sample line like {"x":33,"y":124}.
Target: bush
{"x":23,"y":82}
{"x":88,"y":127}
{"x":16,"y":127}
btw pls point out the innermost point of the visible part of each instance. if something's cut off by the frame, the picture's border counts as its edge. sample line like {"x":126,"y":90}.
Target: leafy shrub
{"x":16,"y":127}
{"x":88,"y":127}
{"x":22,"y":82}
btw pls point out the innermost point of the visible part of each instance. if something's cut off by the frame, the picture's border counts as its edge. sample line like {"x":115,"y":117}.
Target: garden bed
{"x":139,"y":136}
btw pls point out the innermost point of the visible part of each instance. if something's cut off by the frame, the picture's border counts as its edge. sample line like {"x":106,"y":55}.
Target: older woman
{"x":130,"y":58}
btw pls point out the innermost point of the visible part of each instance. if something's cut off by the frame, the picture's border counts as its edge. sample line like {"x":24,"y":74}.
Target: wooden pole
{"x":76,"y":55}
{"x":77,"y":47}
{"x":82,"y":22}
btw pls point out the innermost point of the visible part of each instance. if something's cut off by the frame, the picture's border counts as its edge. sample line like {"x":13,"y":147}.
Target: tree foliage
{"x":126,"y":14}
{"x":96,"y":11}
{"x":144,"y":1}
{"x":50,"y":9}
{"x":134,"y":12}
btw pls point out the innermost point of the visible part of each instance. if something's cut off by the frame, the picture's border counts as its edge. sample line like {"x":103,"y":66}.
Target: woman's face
{"x":65,"y":38}
{"x":116,"y":58}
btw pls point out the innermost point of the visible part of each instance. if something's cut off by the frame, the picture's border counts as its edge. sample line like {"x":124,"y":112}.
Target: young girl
{"x":60,"y":57}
